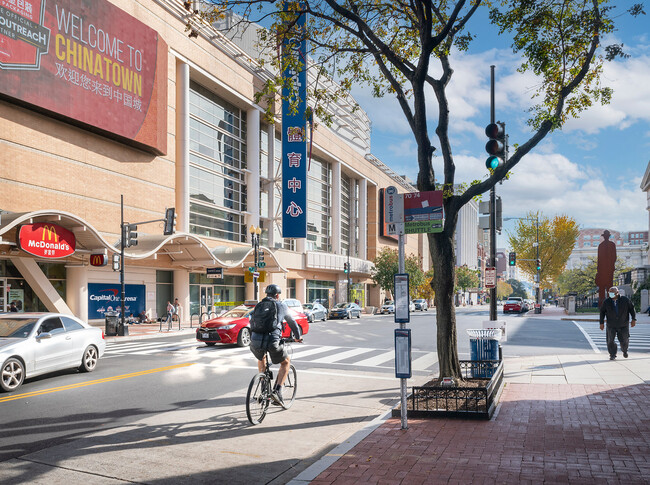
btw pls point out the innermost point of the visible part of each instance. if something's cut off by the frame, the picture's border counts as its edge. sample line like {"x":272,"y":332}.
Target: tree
{"x":517,"y":289}
{"x":582,"y":280}
{"x":391,"y":46}
{"x":466,"y":278}
{"x":556,"y":239}
{"x":503,"y":290}
{"x":386,"y":265}
{"x":425,"y":290}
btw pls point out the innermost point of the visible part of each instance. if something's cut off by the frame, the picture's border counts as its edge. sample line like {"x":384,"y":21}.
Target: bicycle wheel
{"x":290,"y":388}
{"x":257,"y":398}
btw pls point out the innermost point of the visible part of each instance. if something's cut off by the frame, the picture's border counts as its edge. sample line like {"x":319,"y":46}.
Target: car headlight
{"x":226,"y":327}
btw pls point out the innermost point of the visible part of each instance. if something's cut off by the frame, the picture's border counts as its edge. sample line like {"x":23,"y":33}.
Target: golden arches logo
{"x":51,"y":233}
{"x":97,"y":260}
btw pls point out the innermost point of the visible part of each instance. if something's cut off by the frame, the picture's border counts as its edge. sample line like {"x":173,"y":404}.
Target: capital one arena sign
{"x":89,"y":63}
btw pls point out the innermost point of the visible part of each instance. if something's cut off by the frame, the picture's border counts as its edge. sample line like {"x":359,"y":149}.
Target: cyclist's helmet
{"x":273,"y":290}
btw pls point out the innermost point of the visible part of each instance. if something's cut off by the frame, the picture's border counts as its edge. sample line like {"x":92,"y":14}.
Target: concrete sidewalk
{"x":561,"y":419}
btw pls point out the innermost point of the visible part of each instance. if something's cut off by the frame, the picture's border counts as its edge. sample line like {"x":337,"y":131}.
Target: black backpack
{"x":264,"y":316}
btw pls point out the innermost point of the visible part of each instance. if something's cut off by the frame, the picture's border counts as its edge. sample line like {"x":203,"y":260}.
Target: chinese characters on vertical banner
{"x":294,"y":140}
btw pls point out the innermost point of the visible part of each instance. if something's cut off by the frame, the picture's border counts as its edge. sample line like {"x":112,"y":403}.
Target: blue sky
{"x":591,"y":170}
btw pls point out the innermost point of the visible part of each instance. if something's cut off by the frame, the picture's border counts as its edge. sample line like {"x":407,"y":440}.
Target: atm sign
{"x":46,"y":240}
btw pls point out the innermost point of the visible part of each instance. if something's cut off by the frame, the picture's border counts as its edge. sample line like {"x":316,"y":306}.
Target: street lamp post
{"x":255,"y":242}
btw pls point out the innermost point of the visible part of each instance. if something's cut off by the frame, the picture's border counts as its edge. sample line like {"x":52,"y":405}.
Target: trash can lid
{"x":489,"y":333}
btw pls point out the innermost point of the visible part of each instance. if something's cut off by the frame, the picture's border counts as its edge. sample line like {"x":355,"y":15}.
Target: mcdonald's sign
{"x":98,"y":260}
{"x":46,"y":240}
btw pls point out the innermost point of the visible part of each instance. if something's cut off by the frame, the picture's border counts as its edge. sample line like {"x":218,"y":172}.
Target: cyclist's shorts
{"x":275,"y":348}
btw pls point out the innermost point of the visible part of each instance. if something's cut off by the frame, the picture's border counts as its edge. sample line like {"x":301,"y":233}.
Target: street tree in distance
{"x":425,"y":290}
{"x":582,"y":280}
{"x":386,"y":266}
{"x":557,"y":237}
{"x":466,"y":278}
{"x":518,"y":289}
{"x":504,"y":290}
{"x":406,"y":50}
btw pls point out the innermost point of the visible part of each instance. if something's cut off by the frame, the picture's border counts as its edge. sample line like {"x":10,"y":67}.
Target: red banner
{"x":46,"y":240}
{"x":89,"y":62}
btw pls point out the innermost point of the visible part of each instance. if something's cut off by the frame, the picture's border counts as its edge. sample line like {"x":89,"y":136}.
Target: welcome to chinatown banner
{"x":88,"y":62}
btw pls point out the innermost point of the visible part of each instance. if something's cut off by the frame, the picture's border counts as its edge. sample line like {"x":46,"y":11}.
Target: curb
{"x":311,"y":472}
{"x":156,"y":334}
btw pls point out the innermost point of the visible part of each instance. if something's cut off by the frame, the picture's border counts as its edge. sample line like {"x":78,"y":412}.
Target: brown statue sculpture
{"x":605,"y":266}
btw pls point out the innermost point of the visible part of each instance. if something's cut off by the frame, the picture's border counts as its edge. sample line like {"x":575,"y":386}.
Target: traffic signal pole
{"x":493,"y":222}
{"x":120,"y":331}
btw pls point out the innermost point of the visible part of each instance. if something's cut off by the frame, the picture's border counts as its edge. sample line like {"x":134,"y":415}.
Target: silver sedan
{"x":32,"y":344}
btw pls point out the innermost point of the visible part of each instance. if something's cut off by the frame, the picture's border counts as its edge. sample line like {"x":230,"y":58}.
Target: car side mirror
{"x":43,"y":335}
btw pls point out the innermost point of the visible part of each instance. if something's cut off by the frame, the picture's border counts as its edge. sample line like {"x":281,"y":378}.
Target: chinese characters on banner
{"x":294,"y":139}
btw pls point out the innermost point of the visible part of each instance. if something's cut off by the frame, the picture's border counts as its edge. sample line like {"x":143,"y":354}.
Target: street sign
{"x":403,"y":353}
{"x":256,"y":274}
{"x":401,"y":285}
{"x":261,"y":264}
{"x":214,"y":272}
{"x":251,"y":269}
{"x":490,"y":277}
{"x":413,"y":213}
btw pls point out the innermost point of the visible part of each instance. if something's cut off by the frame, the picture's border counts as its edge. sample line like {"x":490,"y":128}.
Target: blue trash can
{"x":484,"y":345}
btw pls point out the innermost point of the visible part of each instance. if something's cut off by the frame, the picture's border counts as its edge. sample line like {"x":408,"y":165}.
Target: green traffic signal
{"x":492,"y":162}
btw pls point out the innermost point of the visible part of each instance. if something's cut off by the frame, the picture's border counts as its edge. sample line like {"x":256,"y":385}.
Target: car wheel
{"x":348,"y":315}
{"x":244,"y":337}
{"x":89,"y":359}
{"x":13,"y":375}
{"x":211,"y":344}
{"x":324,"y":317}
{"x":359,"y":315}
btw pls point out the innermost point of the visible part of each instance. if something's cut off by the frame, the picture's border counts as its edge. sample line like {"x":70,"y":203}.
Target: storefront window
{"x":210,"y":295}
{"x":291,"y":288}
{"x":15,"y":288}
{"x":319,"y":200}
{"x":319,"y":290}
{"x":164,"y":291}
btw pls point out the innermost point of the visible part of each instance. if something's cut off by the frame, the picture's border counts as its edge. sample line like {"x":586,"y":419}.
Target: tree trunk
{"x":443,"y":258}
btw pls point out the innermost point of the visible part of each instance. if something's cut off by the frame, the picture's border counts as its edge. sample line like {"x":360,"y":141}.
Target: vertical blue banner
{"x":294,"y":136}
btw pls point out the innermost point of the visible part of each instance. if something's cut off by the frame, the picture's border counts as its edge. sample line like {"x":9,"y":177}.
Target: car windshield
{"x":308,"y":306}
{"x":237,"y":313}
{"x":389,"y":303}
{"x":341,"y":305}
{"x":16,"y":327}
{"x":513,"y":301}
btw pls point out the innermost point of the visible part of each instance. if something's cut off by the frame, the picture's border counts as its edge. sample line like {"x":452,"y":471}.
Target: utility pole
{"x":120,"y":330}
{"x":493,"y":222}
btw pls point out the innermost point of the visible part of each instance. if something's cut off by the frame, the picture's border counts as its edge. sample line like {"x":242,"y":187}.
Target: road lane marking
{"x":588,"y":337}
{"x":90,"y":383}
{"x":377,"y":360}
{"x":330,"y":359}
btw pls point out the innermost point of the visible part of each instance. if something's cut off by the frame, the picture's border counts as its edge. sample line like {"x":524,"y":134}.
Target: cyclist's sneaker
{"x":277,"y":397}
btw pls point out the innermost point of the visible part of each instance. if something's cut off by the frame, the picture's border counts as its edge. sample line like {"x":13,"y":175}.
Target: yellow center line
{"x":91,"y":383}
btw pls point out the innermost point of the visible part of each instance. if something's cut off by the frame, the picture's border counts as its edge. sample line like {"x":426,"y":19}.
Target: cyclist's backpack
{"x":264,"y":316}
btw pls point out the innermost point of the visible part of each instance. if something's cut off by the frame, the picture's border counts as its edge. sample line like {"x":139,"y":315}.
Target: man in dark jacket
{"x":617,"y":309}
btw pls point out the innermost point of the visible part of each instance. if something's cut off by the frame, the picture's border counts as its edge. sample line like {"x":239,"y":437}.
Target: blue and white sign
{"x":106,"y":297}
{"x":294,"y":136}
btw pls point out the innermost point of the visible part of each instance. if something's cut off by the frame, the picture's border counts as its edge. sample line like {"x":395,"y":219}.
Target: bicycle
{"x":258,"y":397}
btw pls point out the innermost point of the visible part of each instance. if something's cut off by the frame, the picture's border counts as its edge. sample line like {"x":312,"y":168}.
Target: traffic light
{"x":131,"y":235}
{"x":260,"y":260}
{"x":346,"y":268}
{"x":539,"y":265}
{"x":512,"y":259}
{"x":116,"y":262}
{"x":170,"y":221}
{"x":496,"y":145}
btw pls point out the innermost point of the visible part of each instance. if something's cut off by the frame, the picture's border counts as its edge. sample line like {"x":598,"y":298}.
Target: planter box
{"x":474,"y":402}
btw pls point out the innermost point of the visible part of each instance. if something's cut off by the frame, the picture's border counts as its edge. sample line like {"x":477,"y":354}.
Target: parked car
{"x":294,"y":304}
{"x":514,"y":304}
{"x":387,"y":307}
{"x":421,"y":304}
{"x":32,"y":344}
{"x":530,"y":304}
{"x":345,"y":310}
{"x":411,"y":306}
{"x":315,"y":311}
{"x":233,"y":327}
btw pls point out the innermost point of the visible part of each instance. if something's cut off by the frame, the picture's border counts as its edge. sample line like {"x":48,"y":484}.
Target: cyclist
{"x":272,"y":342}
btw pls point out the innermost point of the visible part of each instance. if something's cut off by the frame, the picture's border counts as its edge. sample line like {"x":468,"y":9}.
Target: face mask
{"x":611,"y":294}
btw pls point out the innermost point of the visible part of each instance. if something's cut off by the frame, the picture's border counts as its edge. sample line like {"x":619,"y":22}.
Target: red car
{"x":513,"y":305}
{"x":233,"y":327}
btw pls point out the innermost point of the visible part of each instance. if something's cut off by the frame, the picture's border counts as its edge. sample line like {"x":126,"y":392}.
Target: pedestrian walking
{"x":617,"y":309}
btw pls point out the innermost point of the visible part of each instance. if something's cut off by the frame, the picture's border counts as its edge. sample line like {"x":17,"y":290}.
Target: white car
{"x":388,"y":307}
{"x":32,"y":344}
{"x":294,"y":304}
{"x":421,"y":304}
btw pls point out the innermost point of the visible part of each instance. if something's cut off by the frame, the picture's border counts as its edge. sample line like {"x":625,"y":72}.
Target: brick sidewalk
{"x":543,"y":433}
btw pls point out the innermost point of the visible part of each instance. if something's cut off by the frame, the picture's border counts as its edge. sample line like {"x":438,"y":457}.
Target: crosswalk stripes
{"x":311,"y":354}
{"x":639,"y":336}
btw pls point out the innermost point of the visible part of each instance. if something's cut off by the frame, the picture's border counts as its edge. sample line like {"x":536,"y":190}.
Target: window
{"x":319,"y":201}
{"x":71,"y":324}
{"x":52,"y":325}
{"x":217,"y":163}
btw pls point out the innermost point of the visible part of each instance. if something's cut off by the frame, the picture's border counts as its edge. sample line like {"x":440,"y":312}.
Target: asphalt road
{"x":346,"y":378}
